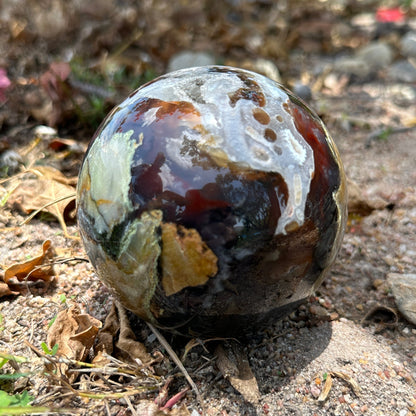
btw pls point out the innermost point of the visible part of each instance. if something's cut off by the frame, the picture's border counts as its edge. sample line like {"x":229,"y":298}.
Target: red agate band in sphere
{"x":211,"y":201}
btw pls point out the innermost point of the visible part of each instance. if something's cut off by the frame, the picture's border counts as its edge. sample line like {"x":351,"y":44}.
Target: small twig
{"x":178,"y":362}
{"x":69,"y":259}
{"x":385,"y":132}
{"x":130,"y":406}
{"x":107,"y":407}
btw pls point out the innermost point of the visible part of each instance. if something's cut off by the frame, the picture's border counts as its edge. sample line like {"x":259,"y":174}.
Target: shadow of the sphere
{"x":276,"y":356}
{"x":280,"y":355}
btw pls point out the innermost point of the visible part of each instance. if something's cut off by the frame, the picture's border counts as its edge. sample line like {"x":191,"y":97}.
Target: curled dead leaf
{"x":234,"y":366}
{"x":74,"y":333}
{"x":360,"y":204}
{"x":329,"y":382}
{"x":116,"y":338}
{"x":352,"y":383}
{"x":382,"y":315}
{"x":38,"y":268}
{"x":5,"y":290}
{"x":49,"y":191}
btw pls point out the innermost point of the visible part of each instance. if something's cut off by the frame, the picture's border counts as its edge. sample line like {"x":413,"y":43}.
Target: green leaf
{"x":52,"y":321}
{"x":55,"y":349}
{"x":49,"y":351}
{"x":5,"y":399}
{"x":14,"y":376}
{"x":10,"y":357}
{"x":18,"y":399}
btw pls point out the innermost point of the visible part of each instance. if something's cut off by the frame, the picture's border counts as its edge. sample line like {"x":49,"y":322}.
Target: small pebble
{"x":402,"y":71}
{"x":378,"y":55}
{"x":408,"y":45}
{"x":303,"y":91}
{"x":377,"y":283}
{"x":300,"y":381}
{"x":44,"y":132}
{"x":315,"y":391}
{"x":403,"y":287}
{"x":352,"y":66}
{"x":188,"y":59}
{"x":267,"y":68}
{"x":318,"y":310}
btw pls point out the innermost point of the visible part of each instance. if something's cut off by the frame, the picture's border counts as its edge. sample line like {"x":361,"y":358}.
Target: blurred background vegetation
{"x":69,"y":62}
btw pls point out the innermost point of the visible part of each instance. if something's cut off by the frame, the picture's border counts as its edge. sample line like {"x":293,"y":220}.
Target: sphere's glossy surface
{"x":211,"y":200}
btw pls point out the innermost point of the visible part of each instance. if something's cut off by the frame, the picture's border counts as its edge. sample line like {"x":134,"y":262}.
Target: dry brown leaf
{"x":38,"y":268}
{"x":116,"y":338}
{"x":360,"y":204}
{"x":49,"y":172}
{"x":50,"y":185}
{"x":58,"y":144}
{"x":326,"y":389}
{"x":353,"y":384}
{"x":5,"y":290}
{"x":75,"y":334}
{"x":234,"y":366}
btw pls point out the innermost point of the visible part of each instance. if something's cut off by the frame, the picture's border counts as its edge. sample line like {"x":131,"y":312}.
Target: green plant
{"x":385,"y":134}
{"x":18,"y":404}
{"x":406,"y":3}
{"x":52,"y":321}
{"x":18,"y":399}
{"x":49,"y":351}
{"x":4,"y":358}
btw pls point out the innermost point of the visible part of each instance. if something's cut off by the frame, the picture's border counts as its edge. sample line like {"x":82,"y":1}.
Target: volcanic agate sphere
{"x":211,"y":201}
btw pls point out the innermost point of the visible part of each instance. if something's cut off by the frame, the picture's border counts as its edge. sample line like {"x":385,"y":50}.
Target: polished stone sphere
{"x":212,"y":201}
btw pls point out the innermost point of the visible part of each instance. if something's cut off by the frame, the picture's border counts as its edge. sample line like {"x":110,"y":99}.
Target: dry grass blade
{"x":93,"y":387}
{"x":33,"y":410}
{"x":178,"y":362}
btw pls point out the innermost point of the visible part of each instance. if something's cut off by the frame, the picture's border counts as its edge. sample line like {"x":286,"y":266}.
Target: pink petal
{"x":394,"y":14}
{"x":4,"y":80}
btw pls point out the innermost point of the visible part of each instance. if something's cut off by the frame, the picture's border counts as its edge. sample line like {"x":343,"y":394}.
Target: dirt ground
{"x":350,"y":332}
